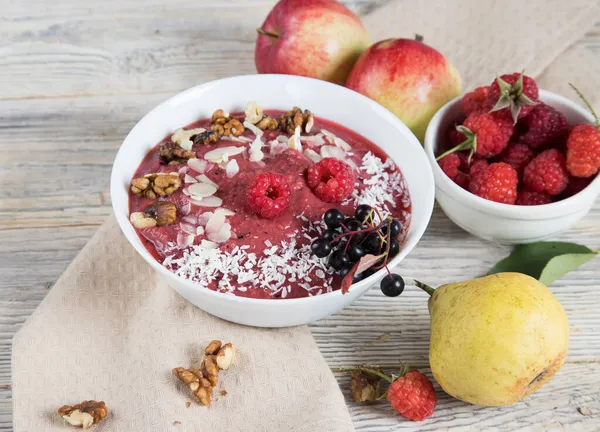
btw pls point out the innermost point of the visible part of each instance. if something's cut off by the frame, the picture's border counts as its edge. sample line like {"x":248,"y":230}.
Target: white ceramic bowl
{"x":504,"y":223}
{"x":326,"y":100}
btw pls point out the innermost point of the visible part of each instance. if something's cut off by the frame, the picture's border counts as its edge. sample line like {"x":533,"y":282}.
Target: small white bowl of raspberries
{"x":515,"y":164}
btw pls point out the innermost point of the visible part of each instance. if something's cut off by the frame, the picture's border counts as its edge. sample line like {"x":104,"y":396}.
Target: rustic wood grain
{"x":75,"y":76}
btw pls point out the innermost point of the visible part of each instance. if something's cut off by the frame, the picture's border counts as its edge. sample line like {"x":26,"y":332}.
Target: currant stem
{"x":429,"y":290}
{"x":266,"y":33}
{"x":588,"y":104}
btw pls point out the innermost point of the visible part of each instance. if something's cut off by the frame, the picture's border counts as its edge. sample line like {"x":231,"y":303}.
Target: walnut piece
{"x":364,"y":386}
{"x":172,"y":154}
{"x":226,"y":356}
{"x":202,"y":382}
{"x":195,"y":381}
{"x":85,"y":415}
{"x":224,"y":125}
{"x":184,"y":137}
{"x":155,"y":185}
{"x":159,"y":213}
{"x":255,"y":115}
{"x":208,"y":137}
{"x":294,"y":118}
{"x":267,"y":123}
{"x":213,"y":347}
{"x":211,"y":370}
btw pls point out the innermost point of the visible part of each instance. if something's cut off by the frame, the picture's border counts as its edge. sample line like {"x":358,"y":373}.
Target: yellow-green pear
{"x":495,"y":339}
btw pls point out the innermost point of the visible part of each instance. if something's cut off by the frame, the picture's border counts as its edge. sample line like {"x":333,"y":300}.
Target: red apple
{"x":314,"y":38}
{"x":407,"y":77}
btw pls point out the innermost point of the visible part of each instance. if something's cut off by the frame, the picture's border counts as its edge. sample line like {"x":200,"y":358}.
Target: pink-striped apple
{"x":407,"y":77}
{"x":314,"y":38}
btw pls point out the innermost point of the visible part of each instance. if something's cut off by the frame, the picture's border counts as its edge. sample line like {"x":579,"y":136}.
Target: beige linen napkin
{"x":110,"y":329}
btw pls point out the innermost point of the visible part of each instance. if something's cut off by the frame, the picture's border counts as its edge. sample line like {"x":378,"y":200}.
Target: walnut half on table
{"x":84,"y":415}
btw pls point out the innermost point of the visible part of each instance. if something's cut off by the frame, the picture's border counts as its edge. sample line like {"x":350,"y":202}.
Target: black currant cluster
{"x":347,"y":239}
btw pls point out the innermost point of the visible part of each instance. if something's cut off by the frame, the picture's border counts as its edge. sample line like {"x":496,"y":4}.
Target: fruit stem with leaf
{"x":266,"y":33}
{"x":589,"y":105}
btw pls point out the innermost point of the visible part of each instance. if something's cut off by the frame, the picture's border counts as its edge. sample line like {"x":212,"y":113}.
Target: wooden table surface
{"x":74,"y":79}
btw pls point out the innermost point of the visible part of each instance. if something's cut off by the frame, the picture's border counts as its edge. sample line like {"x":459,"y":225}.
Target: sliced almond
{"x":255,"y":130}
{"x":254,"y":113}
{"x":211,"y":201}
{"x":189,"y":179}
{"x":201,"y":190}
{"x":198,"y":165}
{"x":222,"y":235}
{"x":182,"y":134}
{"x":185,"y":209}
{"x":222,"y":154}
{"x":309,"y":124}
{"x":188,"y":228}
{"x":255,"y":152}
{"x":342,"y":144}
{"x":199,"y":230}
{"x":312,"y":155}
{"x":215,"y":222}
{"x":232,"y":168}
{"x":329,"y":151}
{"x":224,"y":211}
{"x":190,"y":219}
{"x":204,"y":217}
{"x":184,"y":240}
{"x":294,"y":141}
{"x":203,"y":178}
{"x":207,"y":244}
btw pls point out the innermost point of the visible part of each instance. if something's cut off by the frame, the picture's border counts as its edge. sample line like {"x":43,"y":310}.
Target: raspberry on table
{"x":413,"y":396}
{"x":542,"y":126}
{"x":496,"y":182}
{"x":477,"y":100}
{"x":583,"y":150}
{"x":517,"y":156}
{"x":528,"y":198}
{"x":331,"y":180}
{"x":513,"y":95}
{"x":547,"y":172}
{"x":268,"y":195}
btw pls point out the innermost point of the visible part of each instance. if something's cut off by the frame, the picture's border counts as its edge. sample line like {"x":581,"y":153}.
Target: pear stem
{"x":588,"y":104}
{"x":425,"y":287}
{"x":266,"y":33}
{"x":419,"y":38}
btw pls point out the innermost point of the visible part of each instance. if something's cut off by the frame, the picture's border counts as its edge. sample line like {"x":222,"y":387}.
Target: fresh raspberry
{"x":497,"y":182}
{"x":527,"y":198}
{"x":476,"y":100}
{"x":454,"y":136}
{"x":583,"y":150}
{"x":268,"y":195}
{"x":547,"y":172}
{"x":413,"y":396}
{"x":513,"y":95}
{"x":456,"y":167}
{"x":542,"y":126}
{"x":490,"y":133}
{"x":330,"y":179}
{"x":517,"y":156}
{"x":477,"y":166}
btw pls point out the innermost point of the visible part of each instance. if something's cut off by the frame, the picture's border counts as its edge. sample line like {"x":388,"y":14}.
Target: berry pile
{"x":351,"y":243}
{"x":514,"y":149}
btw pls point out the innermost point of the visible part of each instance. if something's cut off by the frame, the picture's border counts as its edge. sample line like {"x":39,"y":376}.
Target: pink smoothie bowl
{"x":326,"y":100}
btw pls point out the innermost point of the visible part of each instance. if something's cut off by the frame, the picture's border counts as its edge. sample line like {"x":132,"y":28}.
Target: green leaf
{"x":560,"y":265}
{"x":545,"y":261}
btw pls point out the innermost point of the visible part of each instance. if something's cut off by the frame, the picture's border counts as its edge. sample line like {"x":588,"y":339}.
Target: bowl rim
{"x":363,"y":285}
{"x":562,"y":207}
